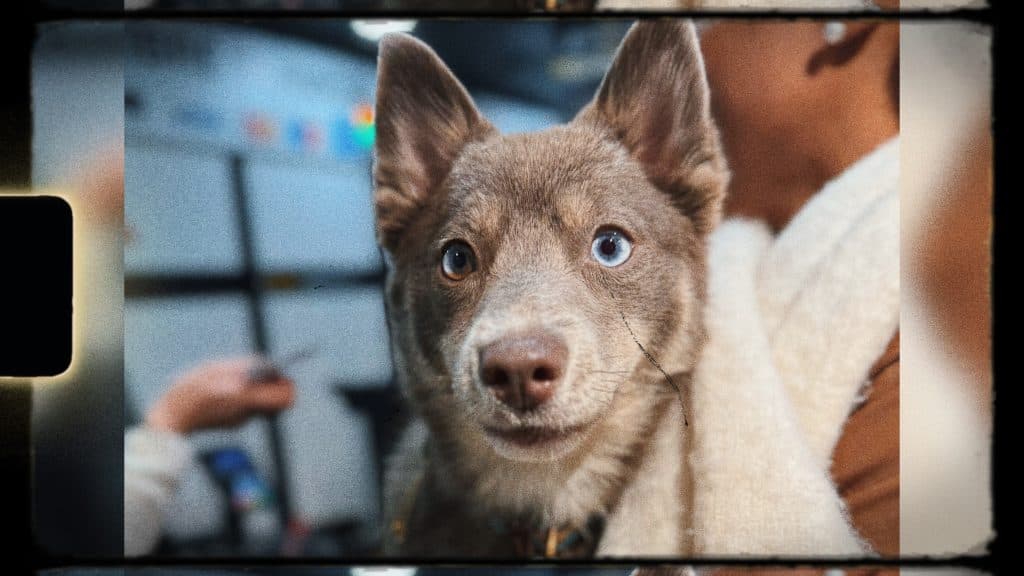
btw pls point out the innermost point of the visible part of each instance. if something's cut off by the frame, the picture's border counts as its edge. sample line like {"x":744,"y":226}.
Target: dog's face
{"x":539,"y":283}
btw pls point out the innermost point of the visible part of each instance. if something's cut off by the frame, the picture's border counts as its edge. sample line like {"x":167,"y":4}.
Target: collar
{"x":529,"y":539}
{"x":558,"y":5}
{"x":534,"y":541}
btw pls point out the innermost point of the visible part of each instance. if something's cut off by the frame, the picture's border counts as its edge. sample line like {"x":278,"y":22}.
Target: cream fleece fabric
{"x":734,"y":5}
{"x":830,"y":293}
{"x":154,"y":463}
{"x":795,"y":324}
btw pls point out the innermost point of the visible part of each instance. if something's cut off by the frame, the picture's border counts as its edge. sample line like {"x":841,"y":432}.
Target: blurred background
{"x":505,"y":5}
{"x":247,"y":186}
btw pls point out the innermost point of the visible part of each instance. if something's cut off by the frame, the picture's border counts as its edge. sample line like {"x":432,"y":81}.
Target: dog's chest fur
{"x":642,"y":500}
{"x":650,"y":519}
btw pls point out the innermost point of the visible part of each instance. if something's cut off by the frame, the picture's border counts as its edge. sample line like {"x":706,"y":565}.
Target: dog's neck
{"x":556,"y":494}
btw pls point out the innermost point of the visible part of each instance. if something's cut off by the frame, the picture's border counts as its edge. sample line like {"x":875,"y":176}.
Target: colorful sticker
{"x":260,"y":128}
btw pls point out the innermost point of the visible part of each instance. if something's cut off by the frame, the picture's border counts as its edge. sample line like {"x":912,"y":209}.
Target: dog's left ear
{"x":654,"y":100}
{"x":425,"y":118}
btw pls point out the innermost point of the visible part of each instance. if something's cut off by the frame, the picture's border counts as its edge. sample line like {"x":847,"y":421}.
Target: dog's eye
{"x":458,"y":260}
{"x":611,"y":248}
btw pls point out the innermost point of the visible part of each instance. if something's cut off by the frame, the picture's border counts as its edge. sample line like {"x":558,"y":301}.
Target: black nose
{"x":524,"y":370}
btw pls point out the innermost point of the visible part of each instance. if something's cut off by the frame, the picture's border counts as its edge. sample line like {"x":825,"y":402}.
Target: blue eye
{"x":611,"y":248}
{"x":458,"y":260}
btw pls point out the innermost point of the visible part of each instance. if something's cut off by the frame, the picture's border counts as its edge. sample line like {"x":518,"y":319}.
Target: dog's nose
{"x":523,"y":370}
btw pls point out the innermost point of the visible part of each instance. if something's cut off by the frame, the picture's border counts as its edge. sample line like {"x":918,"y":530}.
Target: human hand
{"x":221,"y":394}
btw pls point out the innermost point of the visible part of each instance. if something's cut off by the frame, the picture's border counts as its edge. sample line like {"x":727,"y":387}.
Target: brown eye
{"x":458,"y":260}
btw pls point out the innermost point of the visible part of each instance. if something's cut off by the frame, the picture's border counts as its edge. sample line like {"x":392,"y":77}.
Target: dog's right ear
{"x":424,"y":117}
{"x":654,"y":100}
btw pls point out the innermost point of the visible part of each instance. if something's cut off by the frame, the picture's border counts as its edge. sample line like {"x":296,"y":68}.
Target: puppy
{"x":544,"y":296}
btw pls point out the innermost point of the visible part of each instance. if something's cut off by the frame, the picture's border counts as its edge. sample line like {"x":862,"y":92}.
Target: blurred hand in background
{"x":217,"y":394}
{"x":221,"y":394}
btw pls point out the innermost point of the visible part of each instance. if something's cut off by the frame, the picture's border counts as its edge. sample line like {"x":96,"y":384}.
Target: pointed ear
{"x":424,"y":117}
{"x":654,"y":100}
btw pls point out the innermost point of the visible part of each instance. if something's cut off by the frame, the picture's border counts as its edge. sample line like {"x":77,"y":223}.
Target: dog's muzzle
{"x":523,"y":370}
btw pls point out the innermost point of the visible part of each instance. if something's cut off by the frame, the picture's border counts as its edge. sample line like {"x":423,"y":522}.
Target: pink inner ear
{"x":659,"y":143}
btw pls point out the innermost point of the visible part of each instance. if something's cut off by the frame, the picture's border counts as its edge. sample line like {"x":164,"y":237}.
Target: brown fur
{"x":644,"y":157}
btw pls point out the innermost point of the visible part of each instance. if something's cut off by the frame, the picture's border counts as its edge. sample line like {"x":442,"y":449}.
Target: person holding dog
{"x":771,"y":86}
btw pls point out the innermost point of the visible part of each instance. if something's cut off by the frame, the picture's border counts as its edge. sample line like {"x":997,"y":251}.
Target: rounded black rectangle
{"x":35,"y":285}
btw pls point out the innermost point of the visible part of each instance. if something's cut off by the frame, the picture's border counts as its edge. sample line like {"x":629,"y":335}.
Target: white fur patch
{"x":647,"y":521}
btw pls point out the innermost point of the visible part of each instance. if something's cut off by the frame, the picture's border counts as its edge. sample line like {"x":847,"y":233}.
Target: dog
{"x":544,"y":295}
